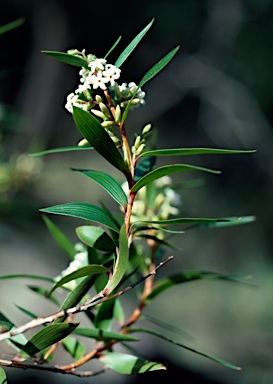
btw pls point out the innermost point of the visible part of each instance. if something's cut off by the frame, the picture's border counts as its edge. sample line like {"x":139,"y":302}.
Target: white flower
{"x":83,"y":73}
{"x":97,"y":65}
{"x":71,"y":101}
{"x":112,"y":73}
{"x":82,"y":88}
{"x":98,"y":81}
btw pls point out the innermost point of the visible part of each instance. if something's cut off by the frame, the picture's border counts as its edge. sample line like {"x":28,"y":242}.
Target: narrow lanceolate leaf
{"x":150,"y":74}
{"x":108,"y":183}
{"x":16,"y":342}
{"x":129,"y":49}
{"x":61,"y":239}
{"x":74,"y":347}
{"x":44,"y":292}
{"x":227,"y":221}
{"x":113,"y":47}
{"x":83,"y":211}
{"x":47,"y":336}
{"x":89,"y":270}
{"x":10,"y":26}
{"x":68,"y":59}
{"x":96,"y":135}
{"x":26,"y":276}
{"x":161,"y":336}
{"x":120,"y":263}
{"x":105,"y":315}
{"x":185,"y":277}
{"x":99,"y":334}
{"x":184,"y":220}
{"x":167,"y":170}
{"x":95,"y":237}
{"x":128,"y":364}
{"x":194,"y":151}
{"x":62,"y":149}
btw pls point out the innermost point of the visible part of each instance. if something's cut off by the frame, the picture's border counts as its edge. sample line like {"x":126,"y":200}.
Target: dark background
{"x":217,"y":92}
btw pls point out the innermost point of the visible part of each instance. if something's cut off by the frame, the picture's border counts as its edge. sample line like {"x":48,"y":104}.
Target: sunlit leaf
{"x":47,"y":336}
{"x":194,"y":151}
{"x":99,"y":334}
{"x":12,"y":25}
{"x":61,"y":239}
{"x":67,"y":58}
{"x":95,"y":237}
{"x":89,"y":270}
{"x":161,"y":336}
{"x":185,"y":277}
{"x":167,"y":170}
{"x":121,"y":261}
{"x":113,"y":47}
{"x":83,"y":211}
{"x":3,"y":376}
{"x":96,"y":135}
{"x":63,"y":149}
{"x":74,"y":347}
{"x":128,"y":364}
{"x":108,"y":183}
{"x":129,"y":49}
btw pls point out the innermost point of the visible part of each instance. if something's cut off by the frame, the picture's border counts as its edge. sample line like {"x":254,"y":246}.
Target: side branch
{"x":98,"y":299}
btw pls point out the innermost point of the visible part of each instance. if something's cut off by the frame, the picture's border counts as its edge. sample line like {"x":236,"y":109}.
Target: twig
{"x":98,"y":299}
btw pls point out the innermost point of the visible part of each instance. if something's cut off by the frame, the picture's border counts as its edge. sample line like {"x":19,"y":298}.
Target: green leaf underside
{"x":113,"y":47}
{"x":167,"y":170}
{"x":95,"y":237}
{"x":46,"y":337}
{"x":128,"y":364}
{"x":89,"y":270}
{"x":68,"y":59}
{"x":10,"y":26}
{"x":63,"y":149}
{"x":61,"y":239}
{"x":3,"y":376}
{"x":74,"y":347}
{"x":108,"y":183}
{"x":194,"y":151}
{"x":83,"y":211}
{"x":161,"y":336}
{"x":129,"y":49}
{"x":96,"y":135}
{"x":193,"y":220}
{"x":185,"y":277}
{"x":26,"y":276}
{"x":99,"y":334}
{"x":121,"y":261}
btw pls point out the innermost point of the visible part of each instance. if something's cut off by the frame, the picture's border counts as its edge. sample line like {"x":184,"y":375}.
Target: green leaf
{"x":27,"y":312}
{"x":120,"y":263}
{"x":68,"y":59}
{"x":113,"y":47}
{"x":128,"y":364}
{"x":83,"y":211}
{"x":193,"y":151}
{"x":16,"y":342}
{"x":63,"y":149}
{"x":12,"y":25}
{"x":227,"y":222}
{"x":99,"y":334}
{"x":149,"y":75}
{"x":44,"y":292}
{"x":3,"y":376}
{"x":96,"y":135}
{"x":105,"y":315}
{"x":26,"y":276}
{"x":74,"y":347}
{"x":89,"y":270}
{"x":185,"y":277}
{"x":108,"y":183}
{"x":161,"y":336}
{"x":95,"y":237}
{"x":129,"y":49}
{"x":167,"y":170}
{"x":47,"y":336}
{"x":183,"y":220}
{"x":146,"y":166}
{"x":60,"y":238}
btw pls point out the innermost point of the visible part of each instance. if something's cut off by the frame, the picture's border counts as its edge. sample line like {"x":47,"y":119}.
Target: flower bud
{"x":104,"y":109}
{"x":146,"y":129}
{"x":107,"y":124}
{"x":135,"y":101}
{"x":140,"y":149}
{"x":98,"y":113}
{"x":99,"y":99}
{"x":82,"y":143}
{"x":137,"y":142}
{"x":118,"y":114}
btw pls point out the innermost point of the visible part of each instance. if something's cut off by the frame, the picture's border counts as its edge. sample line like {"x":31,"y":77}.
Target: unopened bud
{"x":82,"y":143}
{"x":72,"y":51}
{"x":99,"y":99}
{"x":146,"y":129}
{"x":104,"y":109}
{"x":140,"y":149}
{"x":118,"y":114}
{"x":135,"y":101}
{"x":107,"y":124}
{"x":137,"y":142}
{"x":98,"y":113}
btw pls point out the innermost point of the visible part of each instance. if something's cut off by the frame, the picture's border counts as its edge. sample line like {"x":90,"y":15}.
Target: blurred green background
{"x":217,"y":92}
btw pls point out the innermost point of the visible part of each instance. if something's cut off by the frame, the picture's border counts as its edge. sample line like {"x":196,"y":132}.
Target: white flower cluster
{"x":100,"y":75}
{"x":126,"y":91}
